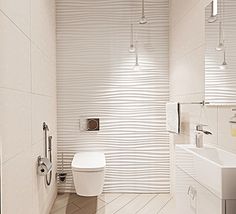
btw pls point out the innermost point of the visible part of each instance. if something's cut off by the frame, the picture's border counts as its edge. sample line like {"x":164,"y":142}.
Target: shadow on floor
{"x":81,"y":205}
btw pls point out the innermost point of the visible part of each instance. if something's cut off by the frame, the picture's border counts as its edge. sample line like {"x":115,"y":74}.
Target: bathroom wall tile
{"x":120,"y":97}
{"x":18,"y":12}
{"x":43,"y":26}
{"x":43,"y":73}
{"x":15,"y":113}
{"x":43,"y":194}
{"x":188,"y":34}
{"x":204,"y":3}
{"x":189,"y":71}
{"x":14,"y":57}
{"x":179,"y":9}
{"x":24,"y":191}
{"x":43,"y":110}
{"x":225,"y":139}
{"x":17,"y":184}
{"x":185,"y":98}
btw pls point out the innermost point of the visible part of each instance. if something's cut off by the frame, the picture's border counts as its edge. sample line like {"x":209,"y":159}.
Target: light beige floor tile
{"x":71,"y":208}
{"x":111,"y":203}
{"x":117,"y":204}
{"x":84,"y":201}
{"x":63,"y":200}
{"x":155,"y":205}
{"x":169,"y":208}
{"x":136,"y":204}
{"x":91,"y":206}
{"x":109,"y":197}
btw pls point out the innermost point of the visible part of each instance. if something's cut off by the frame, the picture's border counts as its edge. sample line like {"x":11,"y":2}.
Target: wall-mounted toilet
{"x":88,"y":169}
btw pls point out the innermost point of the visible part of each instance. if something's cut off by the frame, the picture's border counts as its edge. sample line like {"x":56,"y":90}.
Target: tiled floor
{"x":114,"y":203}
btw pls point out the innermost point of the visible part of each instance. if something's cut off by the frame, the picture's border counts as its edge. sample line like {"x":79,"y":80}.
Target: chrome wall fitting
{"x":48,"y":151}
{"x":44,"y":166}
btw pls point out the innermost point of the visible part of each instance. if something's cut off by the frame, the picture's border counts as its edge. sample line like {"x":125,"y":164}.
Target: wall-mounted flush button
{"x":93,"y":124}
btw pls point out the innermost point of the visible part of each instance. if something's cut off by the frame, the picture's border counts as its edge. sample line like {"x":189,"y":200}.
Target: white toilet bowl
{"x":88,"y":169}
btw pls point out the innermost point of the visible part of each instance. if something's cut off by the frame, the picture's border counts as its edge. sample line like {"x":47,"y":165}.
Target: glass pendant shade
{"x":143,"y":19}
{"x":224,"y":65}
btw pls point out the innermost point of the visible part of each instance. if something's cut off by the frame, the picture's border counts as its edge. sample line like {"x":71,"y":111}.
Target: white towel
{"x":173,"y":117}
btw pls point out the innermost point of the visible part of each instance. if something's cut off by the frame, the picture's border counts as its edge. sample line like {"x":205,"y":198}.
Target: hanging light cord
{"x":143,"y":15}
{"x":136,"y":54}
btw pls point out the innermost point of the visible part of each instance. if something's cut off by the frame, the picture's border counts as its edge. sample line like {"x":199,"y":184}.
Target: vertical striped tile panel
{"x":220,"y":85}
{"x":95,"y":78}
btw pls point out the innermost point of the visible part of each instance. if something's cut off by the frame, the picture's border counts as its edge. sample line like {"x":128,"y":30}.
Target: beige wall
{"x":28,"y":97}
{"x":187,"y":23}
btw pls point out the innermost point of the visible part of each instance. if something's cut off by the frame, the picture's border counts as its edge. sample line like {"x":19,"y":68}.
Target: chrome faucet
{"x":199,"y":128}
{"x":199,"y":135}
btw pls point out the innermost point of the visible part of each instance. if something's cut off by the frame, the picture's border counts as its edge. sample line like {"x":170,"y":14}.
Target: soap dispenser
{"x":233,"y":124}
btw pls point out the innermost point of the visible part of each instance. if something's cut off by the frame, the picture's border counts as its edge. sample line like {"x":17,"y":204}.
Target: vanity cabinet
{"x":193,"y":198}
{"x":184,"y":193}
{"x":205,"y":180}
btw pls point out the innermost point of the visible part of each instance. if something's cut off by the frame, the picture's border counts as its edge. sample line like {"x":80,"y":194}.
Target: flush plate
{"x":93,"y":124}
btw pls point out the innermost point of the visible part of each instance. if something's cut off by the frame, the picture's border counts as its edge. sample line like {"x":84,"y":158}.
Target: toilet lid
{"x":88,"y":161}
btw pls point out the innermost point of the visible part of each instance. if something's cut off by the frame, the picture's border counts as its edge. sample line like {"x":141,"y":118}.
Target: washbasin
{"x":212,"y":167}
{"x":218,"y":156}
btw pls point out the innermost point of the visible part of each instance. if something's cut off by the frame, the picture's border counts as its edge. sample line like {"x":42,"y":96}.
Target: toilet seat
{"x":88,"y":161}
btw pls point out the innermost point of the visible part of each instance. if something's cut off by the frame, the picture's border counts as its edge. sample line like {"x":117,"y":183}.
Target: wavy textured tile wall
{"x":220,"y":85}
{"x":95,"y":79}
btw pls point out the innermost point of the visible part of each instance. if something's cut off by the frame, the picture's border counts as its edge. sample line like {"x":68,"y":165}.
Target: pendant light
{"x":132,"y":47}
{"x":143,"y":19}
{"x":224,"y":64}
{"x":220,"y":45}
{"x":136,"y":66}
{"x":213,"y":17}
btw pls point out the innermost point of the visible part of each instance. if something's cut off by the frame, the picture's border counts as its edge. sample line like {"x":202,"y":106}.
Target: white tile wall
{"x":27,"y":99}
{"x":17,"y":184}
{"x":187,"y":29}
{"x":224,"y":129}
{"x":18,"y":12}
{"x":14,"y":56}
{"x":95,"y":77}
{"x":16,"y":118}
{"x":43,"y":73}
{"x":43,"y":26}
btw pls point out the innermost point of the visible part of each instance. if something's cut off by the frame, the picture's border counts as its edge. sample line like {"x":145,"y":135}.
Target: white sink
{"x":212,"y":167}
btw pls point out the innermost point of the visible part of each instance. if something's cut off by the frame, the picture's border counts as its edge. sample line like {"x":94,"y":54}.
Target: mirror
{"x":220,"y":52}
